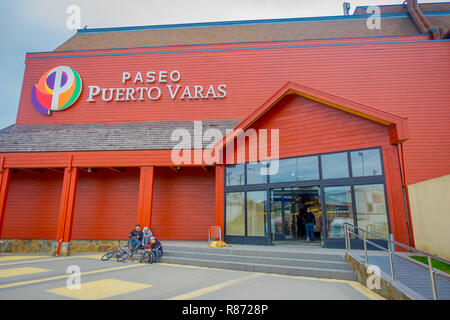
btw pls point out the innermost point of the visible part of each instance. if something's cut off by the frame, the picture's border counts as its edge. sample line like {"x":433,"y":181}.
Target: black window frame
{"x":321,"y":183}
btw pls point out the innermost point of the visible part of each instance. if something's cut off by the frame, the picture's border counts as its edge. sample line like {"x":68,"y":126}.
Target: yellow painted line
{"x":365,"y":291}
{"x":23,"y":283}
{"x":100,"y":289}
{"x":203,"y":291}
{"x":92,"y":256}
{"x":356,"y":285}
{"x":13,"y":272}
{"x":12,"y":258}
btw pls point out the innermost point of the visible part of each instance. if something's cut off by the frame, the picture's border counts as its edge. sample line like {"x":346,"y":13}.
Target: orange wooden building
{"x":358,"y":114}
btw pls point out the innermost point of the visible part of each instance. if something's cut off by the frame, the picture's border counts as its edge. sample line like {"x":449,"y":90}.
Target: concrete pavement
{"x":37,"y":276}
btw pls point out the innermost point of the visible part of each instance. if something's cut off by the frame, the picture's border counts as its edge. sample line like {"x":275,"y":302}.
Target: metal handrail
{"x":430,"y":268}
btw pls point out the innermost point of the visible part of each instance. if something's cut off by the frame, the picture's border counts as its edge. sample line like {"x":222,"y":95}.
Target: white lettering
{"x":138,"y":78}
{"x":125,"y":76}
{"x":93,"y":91}
{"x":172,"y":93}
{"x":158,"y":93}
{"x":221,"y":88}
{"x":173,"y":78}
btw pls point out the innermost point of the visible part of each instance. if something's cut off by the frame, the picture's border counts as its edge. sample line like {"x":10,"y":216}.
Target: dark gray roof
{"x":101,"y":136}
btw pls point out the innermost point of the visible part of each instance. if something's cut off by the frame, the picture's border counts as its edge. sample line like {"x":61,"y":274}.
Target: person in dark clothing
{"x":310,"y":221}
{"x":156,"y":247}
{"x":138,"y":234}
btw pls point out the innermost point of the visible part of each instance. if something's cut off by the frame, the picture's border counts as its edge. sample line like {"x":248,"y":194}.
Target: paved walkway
{"x":410,"y":275}
{"x":38,"y":276}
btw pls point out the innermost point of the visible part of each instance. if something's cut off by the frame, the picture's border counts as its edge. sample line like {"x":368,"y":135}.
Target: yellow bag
{"x":218,"y":244}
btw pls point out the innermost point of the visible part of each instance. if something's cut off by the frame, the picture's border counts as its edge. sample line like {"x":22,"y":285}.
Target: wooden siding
{"x":183,"y":203}
{"x":33,"y":205}
{"x":106,"y":204}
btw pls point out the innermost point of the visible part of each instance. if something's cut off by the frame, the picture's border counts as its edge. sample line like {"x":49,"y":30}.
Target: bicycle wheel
{"x":148,"y":257}
{"x":107,"y":256}
{"x":132,"y":245}
{"x":122,"y":256}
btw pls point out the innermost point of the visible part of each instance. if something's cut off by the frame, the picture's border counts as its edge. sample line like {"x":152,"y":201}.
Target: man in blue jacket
{"x":156,"y":247}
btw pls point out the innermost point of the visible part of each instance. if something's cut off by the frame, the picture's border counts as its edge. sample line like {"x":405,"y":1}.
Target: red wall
{"x":106,"y":204}
{"x":309,"y":127}
{"x":183,"y":203}
{"x":409,"y":79}
{"x":33,"y":205}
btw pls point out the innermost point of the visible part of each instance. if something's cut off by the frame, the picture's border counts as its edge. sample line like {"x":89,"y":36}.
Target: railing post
{"x":365,"y":249}
{"x":349,"y":238}
{"x":391,"y":263}
{"x":433,"y":283}
{"x":346,"y":238}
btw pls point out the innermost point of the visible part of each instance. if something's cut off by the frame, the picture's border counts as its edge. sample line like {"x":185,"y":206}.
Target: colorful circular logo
{"x":56,"y":90}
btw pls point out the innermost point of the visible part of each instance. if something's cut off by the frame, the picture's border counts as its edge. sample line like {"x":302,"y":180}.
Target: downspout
{"x":415,"y":16}
{"x":423,"y":24}
{"x":405,"y":194}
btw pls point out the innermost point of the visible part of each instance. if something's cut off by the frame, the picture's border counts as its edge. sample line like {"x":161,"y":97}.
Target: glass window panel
{"x":334,"y":165}
{"x":338,"y":210}
{"x":256,"y":213}
{"x":254,"y":175}
{"x":286,"y":171}
{"x":234,"y":175}
{"x":297,"y":169}
{"x":366,"y":163}
{"x":371,"y":209}
{"x":235,"y":214}
{"x":307,"y":168}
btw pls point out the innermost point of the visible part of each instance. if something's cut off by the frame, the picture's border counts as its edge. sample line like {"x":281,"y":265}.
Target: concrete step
{"x":264,"y":259}
{"x":254,"y":252}
{"x":264,"y":268}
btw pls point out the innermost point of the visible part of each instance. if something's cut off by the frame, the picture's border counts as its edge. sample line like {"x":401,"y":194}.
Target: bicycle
{"x":120,"y":254}
{"x":148,"y":257}
{"x":133,"y":244}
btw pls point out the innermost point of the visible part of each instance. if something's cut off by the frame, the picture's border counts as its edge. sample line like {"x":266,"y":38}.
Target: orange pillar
{"x":146,"y":196}
{"x":66,"y":206}
{"x":220,"y":197}
{"x":5,"y":175}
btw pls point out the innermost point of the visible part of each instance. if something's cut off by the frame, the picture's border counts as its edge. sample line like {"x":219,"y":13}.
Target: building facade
{"x":243,"y":125}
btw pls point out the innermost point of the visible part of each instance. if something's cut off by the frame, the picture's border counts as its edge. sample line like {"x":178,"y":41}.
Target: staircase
{"x":268,"y":260}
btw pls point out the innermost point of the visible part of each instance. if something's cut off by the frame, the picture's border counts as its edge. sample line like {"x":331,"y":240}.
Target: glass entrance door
{"x":289,"y":210}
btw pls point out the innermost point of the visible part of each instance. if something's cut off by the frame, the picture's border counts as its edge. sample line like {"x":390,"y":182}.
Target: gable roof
{"x":398,"y":128}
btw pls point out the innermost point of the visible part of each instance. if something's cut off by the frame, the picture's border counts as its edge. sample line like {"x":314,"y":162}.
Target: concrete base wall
{"x":50,"y":246}
{"x":430,"y":214}
{"x":387,"y":290}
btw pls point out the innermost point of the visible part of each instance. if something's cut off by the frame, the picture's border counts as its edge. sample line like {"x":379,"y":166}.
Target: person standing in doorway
{"x":310,"y":221}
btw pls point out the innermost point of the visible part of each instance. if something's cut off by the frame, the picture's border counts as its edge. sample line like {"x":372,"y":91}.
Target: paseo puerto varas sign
{"x":60,"y":87}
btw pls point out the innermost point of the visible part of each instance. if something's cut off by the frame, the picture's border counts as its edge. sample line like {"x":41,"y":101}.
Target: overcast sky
{"x":40,"y":25}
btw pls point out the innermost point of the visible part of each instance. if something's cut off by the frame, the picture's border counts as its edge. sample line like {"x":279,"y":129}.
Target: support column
{"x":66,"y":210}
{"x":5,"y":175}
{"x":220,"y":197}
{"x":145,"y":196}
